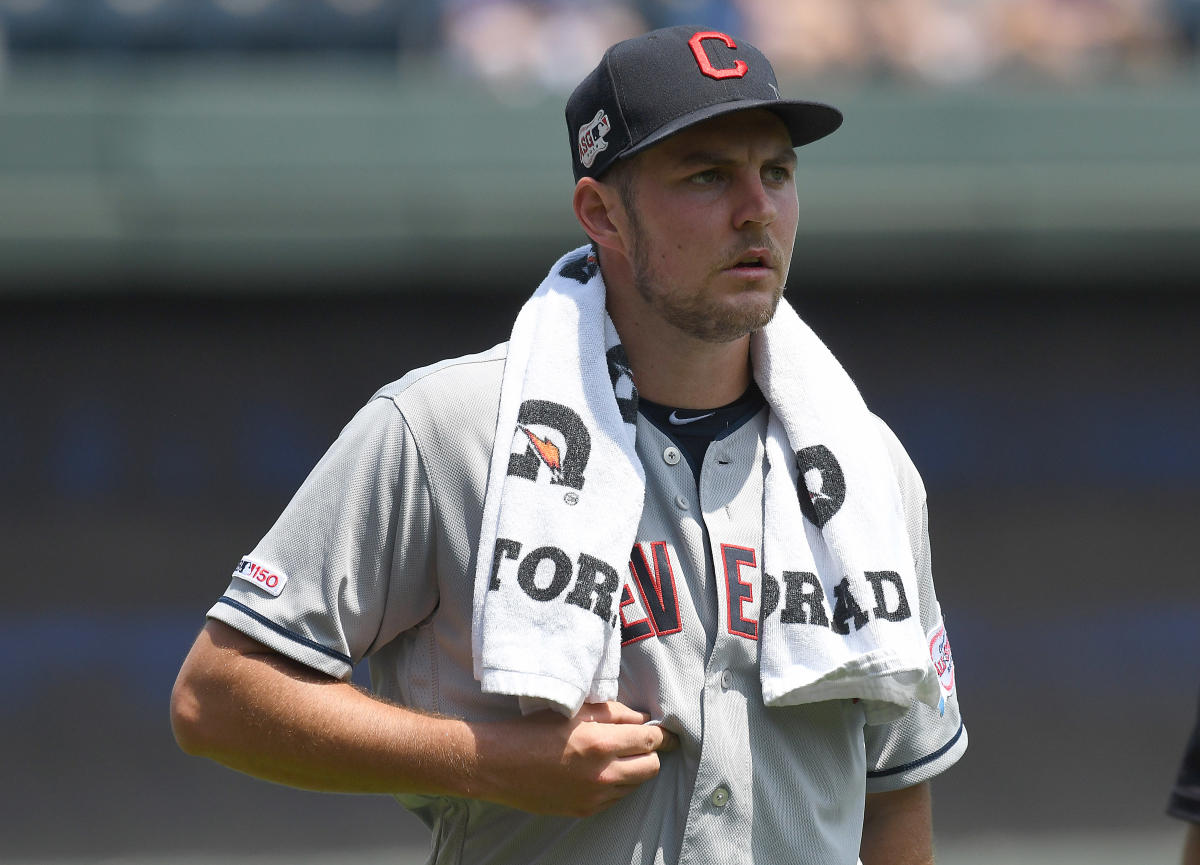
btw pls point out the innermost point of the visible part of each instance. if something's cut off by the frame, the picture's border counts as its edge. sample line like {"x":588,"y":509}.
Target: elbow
{"x":207,"y":714}
{"x":187,"y":716}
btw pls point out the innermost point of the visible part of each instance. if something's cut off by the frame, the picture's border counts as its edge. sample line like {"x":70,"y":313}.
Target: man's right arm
{"x":1191,"y":845}
{"x":242,"y":704}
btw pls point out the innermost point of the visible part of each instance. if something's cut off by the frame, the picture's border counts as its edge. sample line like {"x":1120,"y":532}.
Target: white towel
{"x":565,"y":494}
{"x":564,"y":480}
{"x":823,"y":444}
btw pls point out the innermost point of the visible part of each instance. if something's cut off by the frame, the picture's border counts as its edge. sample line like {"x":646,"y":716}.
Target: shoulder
{"x":459,"y":377}
{"x":441,"y":393}
{"x":907,"y":476}
{"x":443,"y":406}
{"x":450,"y":394}
{"x":448,"y":409}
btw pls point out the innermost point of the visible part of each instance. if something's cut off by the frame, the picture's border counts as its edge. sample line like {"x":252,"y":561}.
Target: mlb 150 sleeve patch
{"x":270,"y":580}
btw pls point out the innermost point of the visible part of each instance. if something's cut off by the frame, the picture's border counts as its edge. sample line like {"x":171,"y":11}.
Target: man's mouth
{"x":753,"y":259}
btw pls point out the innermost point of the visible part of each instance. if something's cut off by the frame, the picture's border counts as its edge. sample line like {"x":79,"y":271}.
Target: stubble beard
{"x":694,"y":313}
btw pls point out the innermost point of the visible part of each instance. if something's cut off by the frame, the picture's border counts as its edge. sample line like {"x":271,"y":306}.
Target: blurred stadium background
{"x":224,"y":223}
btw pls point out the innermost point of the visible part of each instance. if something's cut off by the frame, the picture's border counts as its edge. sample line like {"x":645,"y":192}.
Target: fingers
{"x":619,"y":779}
{"x":549,"y":764}
{"x":612,"y":713}
{"x":642,"y":740}
{"x":622,"y":777}
{"x":637,"y":769}
{"x":629,"y":741}
{"x":669,"y":741}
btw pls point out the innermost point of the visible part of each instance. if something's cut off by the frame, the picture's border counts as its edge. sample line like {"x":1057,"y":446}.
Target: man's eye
{"x":705,"y":178}
{"x":779,"y":174}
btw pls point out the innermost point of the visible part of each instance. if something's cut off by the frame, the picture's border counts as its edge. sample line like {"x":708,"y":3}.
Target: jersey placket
{"x":721,"y":812}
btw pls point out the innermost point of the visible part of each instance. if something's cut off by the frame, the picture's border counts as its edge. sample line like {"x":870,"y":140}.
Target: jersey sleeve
{"x":1185,"y":797}
{"x":349,"y":553}
{"x":925,"y":741}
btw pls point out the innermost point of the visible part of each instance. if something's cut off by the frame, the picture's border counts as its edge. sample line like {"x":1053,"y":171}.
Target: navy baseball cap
{"x":654,"y":85}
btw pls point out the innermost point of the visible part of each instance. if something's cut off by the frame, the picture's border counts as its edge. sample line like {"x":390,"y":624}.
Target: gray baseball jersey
{"x":375,"y":558}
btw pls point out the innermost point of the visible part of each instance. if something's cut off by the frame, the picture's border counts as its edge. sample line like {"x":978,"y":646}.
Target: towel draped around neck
{"x":840,"y":617}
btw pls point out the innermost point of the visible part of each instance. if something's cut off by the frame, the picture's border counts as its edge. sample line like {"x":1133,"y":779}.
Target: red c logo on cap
{"x":695,"y":43}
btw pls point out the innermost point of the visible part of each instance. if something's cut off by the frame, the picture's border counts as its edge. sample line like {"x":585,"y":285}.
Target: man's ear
{"x":599,"y":210}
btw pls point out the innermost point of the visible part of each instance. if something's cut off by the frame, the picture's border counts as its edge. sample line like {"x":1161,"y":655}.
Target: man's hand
{"x":549,"y":764}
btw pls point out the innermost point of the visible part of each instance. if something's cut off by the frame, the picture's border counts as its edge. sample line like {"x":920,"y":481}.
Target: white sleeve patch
{"x":270,"y":581}
{"x":940,"y":655}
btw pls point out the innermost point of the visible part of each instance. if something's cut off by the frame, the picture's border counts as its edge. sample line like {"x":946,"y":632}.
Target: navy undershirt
{"x":702,"y":426}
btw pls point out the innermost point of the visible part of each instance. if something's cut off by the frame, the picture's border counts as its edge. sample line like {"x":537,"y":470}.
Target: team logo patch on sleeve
{"x":270,"y":581}
{"x":943,"y":660}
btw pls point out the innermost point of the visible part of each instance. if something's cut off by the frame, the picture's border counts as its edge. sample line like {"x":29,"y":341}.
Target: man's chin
{"x":732,"y":326}
{"x":755,"y":311}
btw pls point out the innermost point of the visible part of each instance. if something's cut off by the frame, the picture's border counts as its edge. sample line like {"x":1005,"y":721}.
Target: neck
{"x":707,"y":378}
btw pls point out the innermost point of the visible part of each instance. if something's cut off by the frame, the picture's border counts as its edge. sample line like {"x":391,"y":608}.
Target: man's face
{"x":713,"y":214}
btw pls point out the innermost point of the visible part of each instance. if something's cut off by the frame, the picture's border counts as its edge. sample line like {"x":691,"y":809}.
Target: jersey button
{"x":671,"y":456}
{"x":681,"y":503}
{"x":720,"y":796}
{"x":726,"y":680}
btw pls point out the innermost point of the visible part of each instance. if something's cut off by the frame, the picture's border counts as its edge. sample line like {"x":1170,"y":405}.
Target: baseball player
{"x":1185,"y":797}
{"x":629,"y":593}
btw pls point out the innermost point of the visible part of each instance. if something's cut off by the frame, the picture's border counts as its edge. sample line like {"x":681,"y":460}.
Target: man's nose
{"x":755,"y":205}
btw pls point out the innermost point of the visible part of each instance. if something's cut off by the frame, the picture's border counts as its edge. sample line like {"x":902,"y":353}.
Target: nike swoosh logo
{"x":680,"y":421}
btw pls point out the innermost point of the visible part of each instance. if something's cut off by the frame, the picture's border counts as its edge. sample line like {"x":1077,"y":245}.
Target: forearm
{"x":898,"y":828}
{"x":262,"y":714}
{"x":253,"y":710}
{"x":1191,"y":845}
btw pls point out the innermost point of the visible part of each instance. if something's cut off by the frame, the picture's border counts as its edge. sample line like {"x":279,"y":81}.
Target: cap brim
{"x":806,"y":121}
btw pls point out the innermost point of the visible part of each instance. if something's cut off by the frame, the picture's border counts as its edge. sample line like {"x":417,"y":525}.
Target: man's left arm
{"x":898,"y":827}
{"x":903,"y":755}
